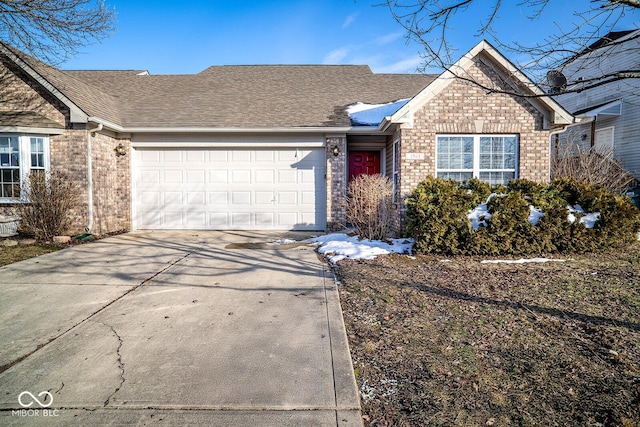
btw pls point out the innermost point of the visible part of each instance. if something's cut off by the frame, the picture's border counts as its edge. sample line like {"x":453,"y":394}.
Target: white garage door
{"x":230,"y":189}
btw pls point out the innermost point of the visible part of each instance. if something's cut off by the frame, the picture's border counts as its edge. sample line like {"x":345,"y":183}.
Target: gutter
{"x":158,"y":129}
{"x":90,"y":134}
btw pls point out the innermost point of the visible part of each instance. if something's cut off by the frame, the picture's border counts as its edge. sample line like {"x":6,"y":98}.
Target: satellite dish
{"x":557,"y":81}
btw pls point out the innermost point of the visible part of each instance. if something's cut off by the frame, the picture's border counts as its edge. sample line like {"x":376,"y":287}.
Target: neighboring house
{"x":261,"y":147}
{"x":610,"y":110}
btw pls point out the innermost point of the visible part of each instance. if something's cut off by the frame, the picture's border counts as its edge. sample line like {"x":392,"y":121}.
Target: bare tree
{"x":432,"y":24}
{"x":53,"y":30}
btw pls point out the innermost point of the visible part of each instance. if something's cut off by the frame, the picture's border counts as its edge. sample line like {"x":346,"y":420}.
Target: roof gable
{"x":554,"y":113}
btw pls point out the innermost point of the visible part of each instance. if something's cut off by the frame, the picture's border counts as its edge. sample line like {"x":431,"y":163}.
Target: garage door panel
{"x":218,"y":177}
{"x":240,"y":219}
{"x":264,"y":198}
{"x":195,"y":177}
{"x":218,"y":198}
{"x":264,"y":176}
{"x":172,"y":177}
{"x":287,"y":177}
{"x":241,"y":176}
{"x":230,"y":189}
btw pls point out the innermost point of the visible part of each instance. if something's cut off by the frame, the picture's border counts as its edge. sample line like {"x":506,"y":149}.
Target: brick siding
{"x":464,"y":108}
{"x":336,"y":183}
{"x":111,"y":174}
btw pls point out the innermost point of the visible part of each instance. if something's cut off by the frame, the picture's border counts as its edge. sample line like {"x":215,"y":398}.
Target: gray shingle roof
{"x":252,"y":96}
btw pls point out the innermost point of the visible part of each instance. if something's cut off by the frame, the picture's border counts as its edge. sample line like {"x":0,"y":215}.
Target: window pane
{"x":509,"y":145}
{"x":10,"y":183}
{"x":509,"y":161}
{"x":497,"y":177}
{"x":455,"y":161}
{"x":485,"y":161}
{"x":468,"y":161}
{"x":37,"y":153}
{"x":456,"y":176}
{"x":485,"y":145}
{"x":468,"y":144}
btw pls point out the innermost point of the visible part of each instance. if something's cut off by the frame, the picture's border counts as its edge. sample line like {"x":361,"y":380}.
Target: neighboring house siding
{"x":463,"y":108}
{"x":627,"y":125}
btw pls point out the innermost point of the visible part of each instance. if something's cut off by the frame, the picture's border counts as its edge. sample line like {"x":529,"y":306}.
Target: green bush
{"x":437,"y":218}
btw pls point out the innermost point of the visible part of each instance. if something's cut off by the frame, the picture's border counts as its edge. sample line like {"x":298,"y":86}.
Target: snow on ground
{"x":339,"y":246}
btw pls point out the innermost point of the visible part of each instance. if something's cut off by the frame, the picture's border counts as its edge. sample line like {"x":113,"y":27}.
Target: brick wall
{"x":111,"y":174}
{"x":336,"y":183}
{"x":18,"y":92}
{"x":464,"y":108}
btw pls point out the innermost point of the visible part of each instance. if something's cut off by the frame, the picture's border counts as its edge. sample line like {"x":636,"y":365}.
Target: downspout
{"x":90,"y":134}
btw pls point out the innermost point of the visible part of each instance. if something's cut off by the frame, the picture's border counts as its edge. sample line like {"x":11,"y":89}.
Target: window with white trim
{"x":19,"y":155}
{"x":603,"y":141}
{"x":490,"y":158}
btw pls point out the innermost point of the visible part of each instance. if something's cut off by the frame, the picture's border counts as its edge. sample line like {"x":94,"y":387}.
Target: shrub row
{"x":437,"y":218}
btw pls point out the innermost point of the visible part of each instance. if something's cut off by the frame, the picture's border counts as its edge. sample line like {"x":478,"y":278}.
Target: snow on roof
{"x":362,"y":114}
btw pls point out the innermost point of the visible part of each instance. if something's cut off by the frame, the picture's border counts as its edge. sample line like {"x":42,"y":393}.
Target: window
{"x":603,"y":141}
{"x":491,"y":158}
{"x":19,"y":155}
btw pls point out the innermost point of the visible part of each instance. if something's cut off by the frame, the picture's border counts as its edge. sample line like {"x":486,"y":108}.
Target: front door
{"x":363,"y":162}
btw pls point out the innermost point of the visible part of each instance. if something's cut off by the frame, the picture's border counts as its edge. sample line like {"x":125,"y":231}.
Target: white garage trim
{"x":231,"y":188}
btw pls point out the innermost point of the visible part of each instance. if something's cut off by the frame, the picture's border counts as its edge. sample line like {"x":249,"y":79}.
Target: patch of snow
{"x":534,"y":215}
{"x":478,"y":215}
{"x":339,"y":246}
{"x":589,"y":219}
{"x":520,"y":261}
{"x":362,"y":114}
{"x":283,"y":242}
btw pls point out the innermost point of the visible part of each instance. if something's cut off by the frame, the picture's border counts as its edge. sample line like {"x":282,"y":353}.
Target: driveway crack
{"x":120,"y":362}
{"x":132,"y":289}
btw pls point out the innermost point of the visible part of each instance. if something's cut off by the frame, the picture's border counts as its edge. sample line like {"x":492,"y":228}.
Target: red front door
{"x":363,"y":162}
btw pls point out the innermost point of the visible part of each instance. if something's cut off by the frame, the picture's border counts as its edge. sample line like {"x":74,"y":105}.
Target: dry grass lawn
{"x":462,"y":343}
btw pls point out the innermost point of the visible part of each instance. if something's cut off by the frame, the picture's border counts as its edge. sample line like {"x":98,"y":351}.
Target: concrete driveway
{"x":174,"y":328}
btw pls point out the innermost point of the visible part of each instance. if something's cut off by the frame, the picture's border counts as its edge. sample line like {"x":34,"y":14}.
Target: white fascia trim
{"x":226,"y":144}
{"x":77,"y":115}
{"x":404,"y":115}
{"x":31,"y":130}
{"x":300,"y":129}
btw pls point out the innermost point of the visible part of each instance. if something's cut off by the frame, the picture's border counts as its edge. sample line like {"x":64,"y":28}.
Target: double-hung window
{"x":490,"y":158}
{"x":19,"y":155}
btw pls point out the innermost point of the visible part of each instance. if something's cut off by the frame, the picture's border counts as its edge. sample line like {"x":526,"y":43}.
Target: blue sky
{"x":169,"y":37}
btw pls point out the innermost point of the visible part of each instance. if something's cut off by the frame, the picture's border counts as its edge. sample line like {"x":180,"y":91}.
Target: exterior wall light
{"x":120,"y":150}
{"x":336,"y":150}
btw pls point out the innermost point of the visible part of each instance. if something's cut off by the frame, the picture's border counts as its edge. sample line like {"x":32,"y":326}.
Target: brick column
{"x":336,"y":183}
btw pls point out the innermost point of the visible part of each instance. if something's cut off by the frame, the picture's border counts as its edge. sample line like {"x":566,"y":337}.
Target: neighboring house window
{"x":491,"y":158}
{"x":603,"y":141}
{"x":19,"y":155}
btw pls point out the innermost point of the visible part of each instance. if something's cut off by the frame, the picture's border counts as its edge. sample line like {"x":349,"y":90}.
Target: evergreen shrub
{"x":437,"y":218}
